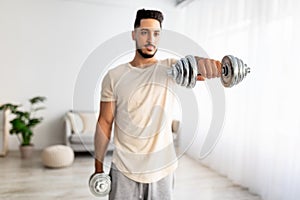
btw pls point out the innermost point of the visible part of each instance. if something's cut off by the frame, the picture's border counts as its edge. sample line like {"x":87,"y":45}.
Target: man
{"x":138,"y":98}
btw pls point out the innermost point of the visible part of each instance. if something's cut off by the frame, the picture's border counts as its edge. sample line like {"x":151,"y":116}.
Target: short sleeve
{"x":173,"y":61}
{"x":107,"y":93}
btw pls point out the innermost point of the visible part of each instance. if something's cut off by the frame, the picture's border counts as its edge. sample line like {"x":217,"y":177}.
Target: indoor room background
{"x":43,"y":45}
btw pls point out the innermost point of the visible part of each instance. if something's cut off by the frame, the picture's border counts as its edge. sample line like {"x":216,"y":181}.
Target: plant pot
{"x":26,"y":151}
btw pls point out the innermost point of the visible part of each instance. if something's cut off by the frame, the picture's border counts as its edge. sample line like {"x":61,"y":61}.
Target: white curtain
{"x":260,"y":143}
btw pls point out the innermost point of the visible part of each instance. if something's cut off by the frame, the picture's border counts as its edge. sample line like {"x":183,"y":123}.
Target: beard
{"x":145,"y":55}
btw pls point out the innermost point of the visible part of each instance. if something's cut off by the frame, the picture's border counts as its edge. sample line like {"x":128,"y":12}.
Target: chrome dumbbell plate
{"x":228,"y":72}
{"x":233,"y":71}
{"x":100,"y":184}
{"x":185,"y":72}
{"x":193,"y":71}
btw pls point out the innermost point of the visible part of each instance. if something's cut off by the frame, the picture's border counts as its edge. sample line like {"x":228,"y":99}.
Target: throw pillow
{"x":89,"y":121}
{"x":77,"y":125}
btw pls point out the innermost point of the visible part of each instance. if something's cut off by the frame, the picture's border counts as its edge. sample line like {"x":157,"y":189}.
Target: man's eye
{"x":144,"y":32}
{"x":156,"y":34}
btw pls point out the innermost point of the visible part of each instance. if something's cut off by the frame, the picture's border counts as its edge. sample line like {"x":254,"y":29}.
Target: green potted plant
{"x":24,"y":121}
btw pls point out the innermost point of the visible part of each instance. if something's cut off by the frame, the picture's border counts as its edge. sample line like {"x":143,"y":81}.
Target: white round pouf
{"x":57,"y":156}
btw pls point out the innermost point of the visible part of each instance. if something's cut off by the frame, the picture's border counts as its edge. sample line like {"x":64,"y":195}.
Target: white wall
{"x":260,"y":138}
{"x":43,"y":45}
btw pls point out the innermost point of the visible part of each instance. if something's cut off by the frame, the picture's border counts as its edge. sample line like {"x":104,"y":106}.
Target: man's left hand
{"x":208,"y":68}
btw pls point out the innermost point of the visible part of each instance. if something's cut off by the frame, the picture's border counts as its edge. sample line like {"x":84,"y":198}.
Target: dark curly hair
{"x":146,"y":14}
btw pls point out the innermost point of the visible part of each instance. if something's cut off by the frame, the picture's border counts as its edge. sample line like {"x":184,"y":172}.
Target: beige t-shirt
{"x":144,"y":98}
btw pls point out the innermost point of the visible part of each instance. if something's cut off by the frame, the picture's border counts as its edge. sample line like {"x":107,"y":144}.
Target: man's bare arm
{"x":103,"y":133}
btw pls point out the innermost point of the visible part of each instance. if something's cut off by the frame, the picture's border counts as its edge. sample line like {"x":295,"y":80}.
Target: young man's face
{"x":147,"y":37}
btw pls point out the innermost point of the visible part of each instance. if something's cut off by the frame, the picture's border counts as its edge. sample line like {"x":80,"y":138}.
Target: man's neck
{"x":141,"y":62}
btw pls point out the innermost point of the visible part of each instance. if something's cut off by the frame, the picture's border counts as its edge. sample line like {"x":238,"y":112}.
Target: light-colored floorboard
{"x":28,"y":179}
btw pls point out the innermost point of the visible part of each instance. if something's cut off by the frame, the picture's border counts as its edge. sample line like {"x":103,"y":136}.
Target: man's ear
{"x":133,"y":36}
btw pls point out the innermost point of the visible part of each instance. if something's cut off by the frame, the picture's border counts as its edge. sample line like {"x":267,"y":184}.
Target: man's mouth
{"x":150,"y":47}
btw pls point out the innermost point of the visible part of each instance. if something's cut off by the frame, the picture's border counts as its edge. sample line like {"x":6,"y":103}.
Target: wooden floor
{"x":28,"y":179}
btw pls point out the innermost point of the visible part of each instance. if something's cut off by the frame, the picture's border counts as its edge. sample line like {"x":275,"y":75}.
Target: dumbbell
{"x":100,"y":184}
{"x":185,"y":71}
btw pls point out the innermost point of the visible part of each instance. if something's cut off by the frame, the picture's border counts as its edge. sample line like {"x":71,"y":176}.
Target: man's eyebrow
{"x":148,"y":29}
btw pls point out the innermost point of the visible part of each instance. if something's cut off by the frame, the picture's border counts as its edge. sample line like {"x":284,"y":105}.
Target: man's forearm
{"x":101,"y":141}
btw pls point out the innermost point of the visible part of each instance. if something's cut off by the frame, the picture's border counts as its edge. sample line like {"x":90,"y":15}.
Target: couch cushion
{"x":77,"y":124}
{"x":87,"y":138}
{"x":89,"y":121}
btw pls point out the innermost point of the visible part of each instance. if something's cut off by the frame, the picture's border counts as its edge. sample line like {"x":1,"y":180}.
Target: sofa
{"x":4,"y":132}
{"x":80,"y":129}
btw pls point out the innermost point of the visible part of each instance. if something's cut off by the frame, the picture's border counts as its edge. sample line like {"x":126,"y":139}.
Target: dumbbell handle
{"x":223,"y":71}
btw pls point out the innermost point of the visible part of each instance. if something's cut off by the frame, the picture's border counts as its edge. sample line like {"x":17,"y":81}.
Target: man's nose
{"x":151,"y":37}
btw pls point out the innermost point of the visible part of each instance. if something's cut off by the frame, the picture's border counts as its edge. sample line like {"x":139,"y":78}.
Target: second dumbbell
{"x":100,"y":184}
{"x":185,"y":71}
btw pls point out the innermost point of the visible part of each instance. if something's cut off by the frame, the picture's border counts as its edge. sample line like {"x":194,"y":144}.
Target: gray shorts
{"x":123,"y":188}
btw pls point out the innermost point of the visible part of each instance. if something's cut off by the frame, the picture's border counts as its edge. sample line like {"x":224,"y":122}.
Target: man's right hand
{"x":98,"y":167}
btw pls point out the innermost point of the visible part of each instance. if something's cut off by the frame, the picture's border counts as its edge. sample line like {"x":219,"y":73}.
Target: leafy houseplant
{"x":24,"y":121}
